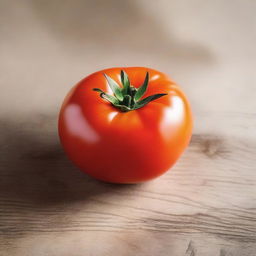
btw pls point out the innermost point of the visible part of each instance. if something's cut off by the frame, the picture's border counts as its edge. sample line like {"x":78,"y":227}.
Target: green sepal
{"x":114,"y":87}
{"x":148,"y":99}
{"x":142,"y":89}
{"x":125,"y":81}
{"x":132,"y":91}
{"x":106,"y":96}
{"x":127,"y":97}
{"x":123,"y":108}
{"x":127,"y":101}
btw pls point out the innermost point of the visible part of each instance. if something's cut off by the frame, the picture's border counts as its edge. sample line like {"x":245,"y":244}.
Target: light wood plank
{"x":208,"y":196}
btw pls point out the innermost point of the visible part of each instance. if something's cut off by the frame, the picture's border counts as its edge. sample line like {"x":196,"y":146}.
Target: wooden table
{"x":205,"y":205}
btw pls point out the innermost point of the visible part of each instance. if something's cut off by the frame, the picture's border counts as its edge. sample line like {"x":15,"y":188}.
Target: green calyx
{"x":127,"y":97}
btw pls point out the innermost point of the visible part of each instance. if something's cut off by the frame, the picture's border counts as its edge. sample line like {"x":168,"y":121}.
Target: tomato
{"x":113,"y":129}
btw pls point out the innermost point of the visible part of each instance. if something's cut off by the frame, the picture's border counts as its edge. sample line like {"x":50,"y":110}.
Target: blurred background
{"x":46,"y":46}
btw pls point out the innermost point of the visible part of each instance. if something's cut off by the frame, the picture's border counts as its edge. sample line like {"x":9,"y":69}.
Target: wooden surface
{"x":206,"y":205}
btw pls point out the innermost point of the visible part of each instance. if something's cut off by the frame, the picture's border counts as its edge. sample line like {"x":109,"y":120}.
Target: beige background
{"x":206,"y":205}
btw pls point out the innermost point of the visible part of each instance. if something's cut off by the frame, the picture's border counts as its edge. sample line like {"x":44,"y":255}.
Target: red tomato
{"x":125,"y":136}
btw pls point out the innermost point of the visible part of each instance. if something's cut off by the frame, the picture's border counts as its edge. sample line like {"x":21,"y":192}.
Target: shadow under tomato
{"x":34,"y":168}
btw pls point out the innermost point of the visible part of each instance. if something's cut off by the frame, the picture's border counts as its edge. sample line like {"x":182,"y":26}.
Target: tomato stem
{"x":128,"y":97}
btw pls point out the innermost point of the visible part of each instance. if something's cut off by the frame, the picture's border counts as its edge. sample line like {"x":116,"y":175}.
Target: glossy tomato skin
{"x":125,"y":147}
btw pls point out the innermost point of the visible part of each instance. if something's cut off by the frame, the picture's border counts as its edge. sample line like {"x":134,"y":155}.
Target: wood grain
{"x":208,"y":196}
